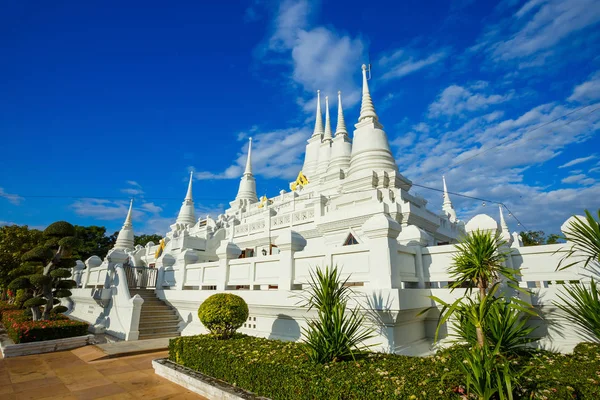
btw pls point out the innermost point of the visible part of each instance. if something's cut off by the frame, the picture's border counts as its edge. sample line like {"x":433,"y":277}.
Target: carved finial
{"x":341,"y":123}
{"x":248,"y":170}
{"x":367,"y":110}
{"x":319,"y":120}
{"x":327,"y":134}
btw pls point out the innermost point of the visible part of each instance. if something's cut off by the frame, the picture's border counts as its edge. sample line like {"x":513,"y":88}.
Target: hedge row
{"x":4,"y":306}
{"x":280,"y":370}
{"x":21,"y":329}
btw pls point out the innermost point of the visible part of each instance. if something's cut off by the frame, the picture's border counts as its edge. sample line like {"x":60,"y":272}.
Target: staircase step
{"x":165,"y":323}
{"x":158,"y":335}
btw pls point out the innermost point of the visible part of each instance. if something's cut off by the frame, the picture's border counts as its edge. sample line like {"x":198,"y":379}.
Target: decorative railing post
{"x":382,"y":232}
{"x":288,"y":242}
{"x":92,"y":262}
{"x":226,"y":251}
{"x":187,"y":257}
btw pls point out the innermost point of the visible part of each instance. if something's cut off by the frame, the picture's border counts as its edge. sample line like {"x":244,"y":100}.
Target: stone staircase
{"x":157,"y":320}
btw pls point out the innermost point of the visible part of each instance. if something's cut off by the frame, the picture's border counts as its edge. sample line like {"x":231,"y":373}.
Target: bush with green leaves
{"x":222,"y":314}
{"x":338,"y":333}
{"x":45,"y":271}
{"x":282,"y":371}
{"x":580,"y":303}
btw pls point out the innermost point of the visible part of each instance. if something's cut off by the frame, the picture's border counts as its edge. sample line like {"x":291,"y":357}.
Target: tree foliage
{"x":94,"y":242}
{"x":142,"y":240}
{"x":15,"y":241}
{"x":535,"y":238}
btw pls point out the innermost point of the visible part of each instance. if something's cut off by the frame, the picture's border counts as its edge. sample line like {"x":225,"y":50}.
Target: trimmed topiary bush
{"x":21,"y":329}
{"x":60,"y":229}
{"x":222,"y":314}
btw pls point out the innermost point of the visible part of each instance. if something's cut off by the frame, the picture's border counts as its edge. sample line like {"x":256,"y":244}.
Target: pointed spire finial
{"x":248,"y":170}
{"x":341,"y":123}
{"x":129,"y":214}
{"x":188,"y":195}
{"x":504,"y":232}
{"x":327,"y":134}
{"x":447,"y":205}
{"x":367,"y":110}
{"x":319,"y":121}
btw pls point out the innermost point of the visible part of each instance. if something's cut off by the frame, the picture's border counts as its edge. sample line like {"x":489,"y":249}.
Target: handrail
{"x":141,"y":277}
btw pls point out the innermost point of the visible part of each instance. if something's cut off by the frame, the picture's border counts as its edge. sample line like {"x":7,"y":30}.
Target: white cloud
{"x":105,"y":209}
{"x":151,"y":207}
{"x":135,"y":189}
{"x":587,"y":91}
{"x":505,"y":151}
{"x":275,"y":154}
{"x":320,"y":58}
{"x":401,"y":63}
{"x":13,"y":198}
{"x":574,"y":178}
{"x":577,"y":161}
{"x":456,"y":100}
{"x":543,"y":24}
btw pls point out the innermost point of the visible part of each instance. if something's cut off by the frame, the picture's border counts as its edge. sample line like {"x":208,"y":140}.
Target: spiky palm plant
{"x":580,"y":303}
{"x":337,"y":333}
{"x":584,"y":237}
{"x":479,"y":262}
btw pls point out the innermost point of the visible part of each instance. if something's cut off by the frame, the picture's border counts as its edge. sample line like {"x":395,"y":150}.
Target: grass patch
{"x":281,"y":370}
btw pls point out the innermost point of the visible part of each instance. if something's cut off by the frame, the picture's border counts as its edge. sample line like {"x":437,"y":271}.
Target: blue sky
{"x":102,"y":101}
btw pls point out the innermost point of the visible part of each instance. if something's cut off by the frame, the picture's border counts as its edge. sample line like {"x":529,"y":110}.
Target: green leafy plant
{"x":337,"y":333}
{"x":222,"y":314}
{"x":489,"y":374}
{"x":47,"y":267}
{"x":581,"y":306}
{"x":584,"y":237}
{"x":505,"y":326}
{"x":21,"y":329}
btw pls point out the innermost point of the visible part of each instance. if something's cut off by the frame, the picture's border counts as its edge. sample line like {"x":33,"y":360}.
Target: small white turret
{"x":186,"y":213}
{"x":341,"y":148}
{"x":125,"y":238}
{"x":247,"y":189}
{"x":447,"y":206}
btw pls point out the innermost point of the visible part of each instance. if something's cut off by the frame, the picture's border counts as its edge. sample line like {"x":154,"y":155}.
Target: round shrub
{"x":34,"y":302}
{"x":19,"y":283}
{"x":59,"y":309}
{"x":69,"y":242}
{"x":39,"y":280}
{"x":52,"y":242}
{"x":66,"y":284}
{"x":67,"y":262}
{"x":40,"y":253}
{"x":60,"y":273}
{"x":223,"y":313}
{"x":60,"y":229}
{"x":62,"y":293}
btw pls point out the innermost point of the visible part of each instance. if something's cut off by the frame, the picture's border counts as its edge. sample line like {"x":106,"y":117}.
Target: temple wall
{"x":391,"y":282}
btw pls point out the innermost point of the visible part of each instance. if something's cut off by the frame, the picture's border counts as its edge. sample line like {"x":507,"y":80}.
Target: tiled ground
{"x":78,"y":374}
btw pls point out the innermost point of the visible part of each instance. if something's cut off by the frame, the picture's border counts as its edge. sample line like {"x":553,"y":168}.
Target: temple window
{"x":350,"y":240}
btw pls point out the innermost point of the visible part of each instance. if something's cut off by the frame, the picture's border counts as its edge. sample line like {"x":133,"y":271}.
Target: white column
{"x":382,"y":232}
{"x":227,"y":251}
{"x":288,"y":242}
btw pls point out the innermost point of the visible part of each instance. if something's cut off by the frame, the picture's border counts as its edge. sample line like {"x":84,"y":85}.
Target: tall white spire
{"x":504,"y":232}
{"x":447,"y":206}
{"x":247,"y":189}
{"x":370,"y":147}
{"x":341,"y":148}
{"x":327,"y":134}
{"x":367,"y":110}
{"x":319,"y":120}
{"x":125,"y":237}
{"x":341,"y":123}
{"x":186,"y":212}
{"x":311,"y":156}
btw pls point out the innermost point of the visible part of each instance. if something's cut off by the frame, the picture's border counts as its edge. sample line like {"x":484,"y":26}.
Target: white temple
{"x":350,"y":206}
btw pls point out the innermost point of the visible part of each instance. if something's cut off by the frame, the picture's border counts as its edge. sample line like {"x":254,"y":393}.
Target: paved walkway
{"x":84,"y":374}
{"x":119,"y":349}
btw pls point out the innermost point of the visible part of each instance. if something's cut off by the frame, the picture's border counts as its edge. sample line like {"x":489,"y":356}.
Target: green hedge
{"x":281,"y":370}
{"x":4,"y":306}
{"x":21,"y":329}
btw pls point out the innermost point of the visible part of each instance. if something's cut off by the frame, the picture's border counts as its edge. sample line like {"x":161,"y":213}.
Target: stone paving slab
{"x":119,"y":349}
{"x":71,"y":375}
